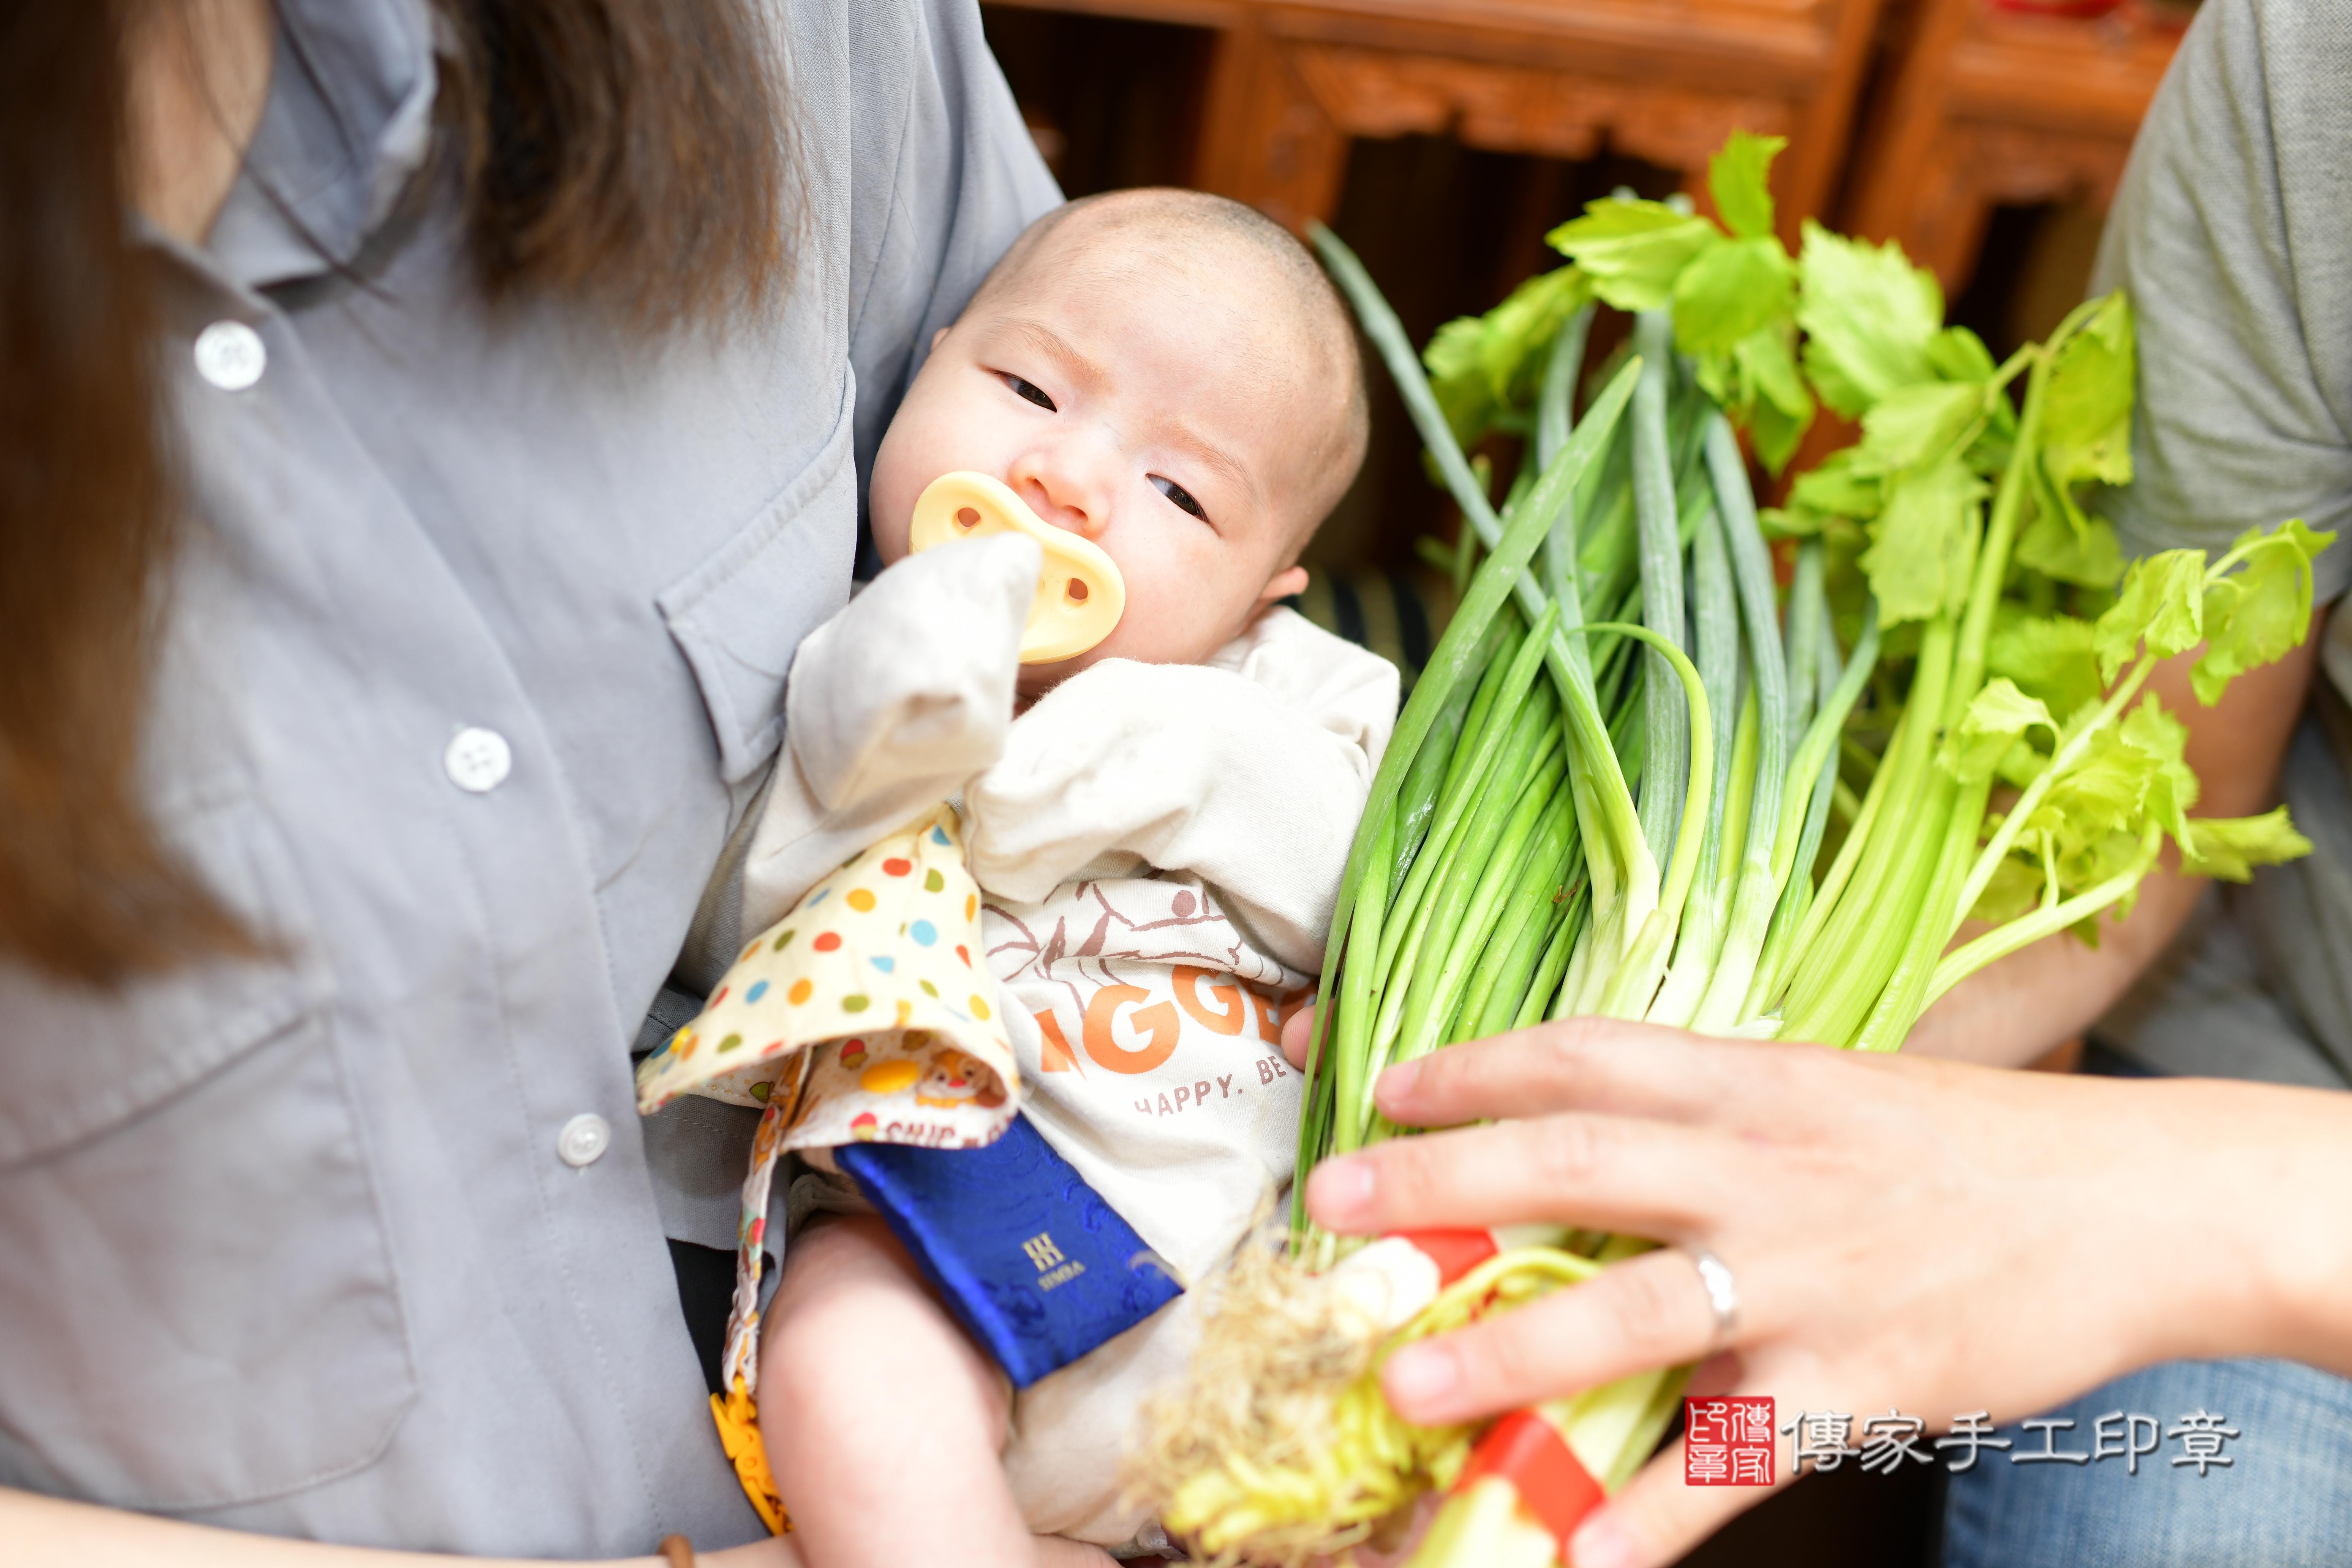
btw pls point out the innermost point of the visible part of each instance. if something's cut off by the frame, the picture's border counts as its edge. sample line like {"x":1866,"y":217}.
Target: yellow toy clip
{"x":1080,"y":594}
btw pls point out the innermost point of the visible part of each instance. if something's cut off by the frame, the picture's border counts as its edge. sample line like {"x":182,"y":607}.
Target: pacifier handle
{"x":1080,"y":594}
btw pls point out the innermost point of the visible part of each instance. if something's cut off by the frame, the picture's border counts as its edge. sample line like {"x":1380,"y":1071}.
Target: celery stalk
{"x":1898,"y":1006}
{"x":1838,"y":977}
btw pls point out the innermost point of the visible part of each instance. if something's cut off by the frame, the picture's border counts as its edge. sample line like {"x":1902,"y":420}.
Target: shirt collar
{"x":349,"y":121}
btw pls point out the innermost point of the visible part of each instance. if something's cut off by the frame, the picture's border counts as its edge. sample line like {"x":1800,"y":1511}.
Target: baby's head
{"x":1166,"y":373}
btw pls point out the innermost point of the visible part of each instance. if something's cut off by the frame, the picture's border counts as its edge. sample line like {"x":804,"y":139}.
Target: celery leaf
{"x":2100,"y":794}
{"x":1759,"y":385}
{"x":1836,"y":485}
{"x":2086,"y":405}
{"x":2171,"y":786}
{"x":1781,"y":409}
{"x":1633,"y":251}
{"x":1869,"y":317}
{"x":1996,"y":719}
{"x":1792,"y":521}
{"x":1485,"y":368}
{"x":1730,"y":291}
{"x":1924,"y":545}
{"x":2162,"y":600}
{"x":1739,"y":179}
{"x":1911,"y":425}
{"x":1958,"y":354}
{"x":2230,"y":847}
{"x":2014,"y":888}
{"x":2256,"y":614}
{"x":2048,"y":657}
{"x":2066,"y":543}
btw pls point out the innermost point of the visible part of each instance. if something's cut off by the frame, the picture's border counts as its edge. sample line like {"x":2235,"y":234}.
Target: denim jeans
{"x":2285,"y":1500}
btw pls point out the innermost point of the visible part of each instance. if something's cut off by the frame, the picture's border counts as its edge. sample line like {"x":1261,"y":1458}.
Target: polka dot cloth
{"x":881,"y":948}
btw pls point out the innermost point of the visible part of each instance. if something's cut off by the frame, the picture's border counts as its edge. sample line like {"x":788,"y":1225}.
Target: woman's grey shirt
{"x":474,"y":660}
{"x":2233,"y":233}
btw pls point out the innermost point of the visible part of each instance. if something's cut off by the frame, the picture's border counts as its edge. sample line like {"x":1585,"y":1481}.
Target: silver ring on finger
{"x":1722,"y":1294}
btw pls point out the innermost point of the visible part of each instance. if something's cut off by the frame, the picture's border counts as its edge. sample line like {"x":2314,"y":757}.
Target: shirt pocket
{"x":742,"y":612}
{"x":199,"y":1294}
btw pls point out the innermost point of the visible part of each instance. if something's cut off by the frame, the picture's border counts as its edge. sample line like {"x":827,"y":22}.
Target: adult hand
{"x":1906,"y":1235}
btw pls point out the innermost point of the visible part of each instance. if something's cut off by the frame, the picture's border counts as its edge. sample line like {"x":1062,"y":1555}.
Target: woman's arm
{"x":42,"y":1531}
{"x":2018,"y":1009}
{"x":1926,"y":1237}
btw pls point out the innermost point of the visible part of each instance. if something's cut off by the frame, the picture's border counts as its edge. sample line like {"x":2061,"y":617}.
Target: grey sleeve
{"x":2232,"y":233}
{"x":944,"y":178}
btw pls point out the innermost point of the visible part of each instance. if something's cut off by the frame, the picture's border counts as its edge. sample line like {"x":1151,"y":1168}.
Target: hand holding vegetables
{"x":1911,"y":1234}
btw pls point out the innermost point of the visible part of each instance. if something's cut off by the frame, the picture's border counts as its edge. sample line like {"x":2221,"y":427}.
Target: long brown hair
{"x":629,"y":155}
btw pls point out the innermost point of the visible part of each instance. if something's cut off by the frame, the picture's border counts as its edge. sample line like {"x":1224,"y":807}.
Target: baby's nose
{"x":1062,"y":490}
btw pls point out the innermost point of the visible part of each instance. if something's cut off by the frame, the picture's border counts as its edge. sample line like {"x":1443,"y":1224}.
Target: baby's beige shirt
{"x":1159,"y":847}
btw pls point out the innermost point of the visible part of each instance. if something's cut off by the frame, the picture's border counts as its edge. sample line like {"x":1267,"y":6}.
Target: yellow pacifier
{"x":1080,"y":594}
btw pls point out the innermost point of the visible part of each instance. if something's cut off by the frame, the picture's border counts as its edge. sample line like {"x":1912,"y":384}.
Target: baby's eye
{"x":1179,"y":495}
{"x":1032,"y":391}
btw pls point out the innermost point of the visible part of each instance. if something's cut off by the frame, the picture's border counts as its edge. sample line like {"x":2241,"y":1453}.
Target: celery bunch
{"x":1612,"y":789}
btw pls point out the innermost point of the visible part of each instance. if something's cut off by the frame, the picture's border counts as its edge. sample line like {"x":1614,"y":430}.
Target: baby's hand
{"x":911,"y":684}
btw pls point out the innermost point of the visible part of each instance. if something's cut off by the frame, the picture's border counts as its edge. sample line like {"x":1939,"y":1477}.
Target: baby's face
{"x":1146,"y":407}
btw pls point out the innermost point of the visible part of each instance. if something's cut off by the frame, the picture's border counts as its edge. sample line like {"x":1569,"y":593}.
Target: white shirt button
{"x":230,"y":355}
{"x":477,"y":760}
{"x":583,"y":1140}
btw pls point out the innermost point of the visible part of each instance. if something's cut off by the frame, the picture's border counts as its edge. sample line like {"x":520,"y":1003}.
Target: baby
{"x":1157,"y":837}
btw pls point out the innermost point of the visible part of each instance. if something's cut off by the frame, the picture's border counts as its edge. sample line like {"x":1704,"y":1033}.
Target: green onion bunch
{"x":1756,"y":772}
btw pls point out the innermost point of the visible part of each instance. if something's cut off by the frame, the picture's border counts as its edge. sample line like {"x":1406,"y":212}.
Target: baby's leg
{"x":882,"y":1421}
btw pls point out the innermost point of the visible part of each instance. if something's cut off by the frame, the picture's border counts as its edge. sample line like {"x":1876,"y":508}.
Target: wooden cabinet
{"x":1987,"y":107}
{"x":1289,"y":85}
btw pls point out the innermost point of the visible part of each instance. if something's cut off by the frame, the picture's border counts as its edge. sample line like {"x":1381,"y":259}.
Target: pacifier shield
{"x":1080,"y":594}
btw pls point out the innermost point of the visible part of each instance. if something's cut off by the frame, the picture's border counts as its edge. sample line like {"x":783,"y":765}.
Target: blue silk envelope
{"x":1037,"y":1268}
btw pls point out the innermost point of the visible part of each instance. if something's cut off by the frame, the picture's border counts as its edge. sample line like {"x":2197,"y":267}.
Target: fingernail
{"x":1603,"y":1542}
{"x":1419,"y":1374}
{"x":1338,"y":1189}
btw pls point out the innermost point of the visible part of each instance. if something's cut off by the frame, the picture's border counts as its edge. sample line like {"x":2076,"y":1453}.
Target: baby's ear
{"x":1282,"y":584}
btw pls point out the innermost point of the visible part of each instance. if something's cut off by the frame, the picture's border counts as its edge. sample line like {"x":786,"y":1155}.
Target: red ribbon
{"x":1552,"y":1483}
{"x":1455,"y":1251}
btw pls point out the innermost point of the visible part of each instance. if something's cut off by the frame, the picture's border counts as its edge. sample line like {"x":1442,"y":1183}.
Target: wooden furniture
{"x":1292,"y":81}
{"x":1986,"y":107}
